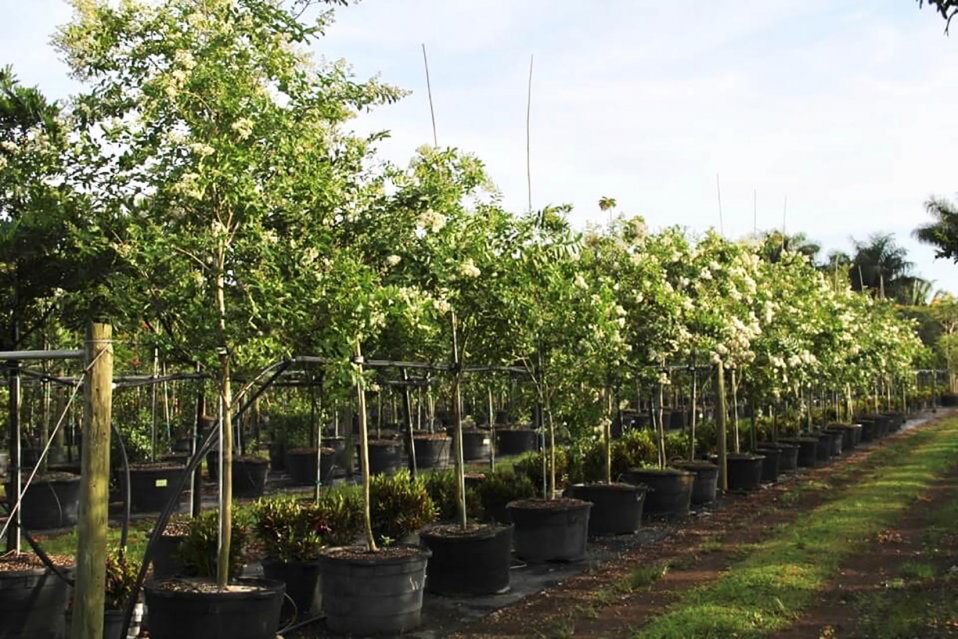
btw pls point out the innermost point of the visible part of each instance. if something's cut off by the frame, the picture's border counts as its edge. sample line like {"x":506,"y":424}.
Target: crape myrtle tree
{"x":441,"y":237}
{"x":225,"y":153}
{"x":637,"y":266}
{"x":571,"y":327}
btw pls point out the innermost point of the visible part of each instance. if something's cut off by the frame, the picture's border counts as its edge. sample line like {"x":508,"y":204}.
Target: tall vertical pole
{"x":13,"y":385}
{"x":432,"y":111}
{"x":88,"y":600}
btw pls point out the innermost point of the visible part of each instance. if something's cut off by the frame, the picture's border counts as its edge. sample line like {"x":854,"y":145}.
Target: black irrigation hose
{"x":184,"y":477}
{"x":38,"y":551}
{"x":125,"y":461}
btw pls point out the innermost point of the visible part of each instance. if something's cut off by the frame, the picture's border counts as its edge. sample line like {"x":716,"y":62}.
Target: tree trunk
{"x":736,"y":443}
{"x":363,"y":448}
{"x":226,"y":429}
{"x":720,"y":396}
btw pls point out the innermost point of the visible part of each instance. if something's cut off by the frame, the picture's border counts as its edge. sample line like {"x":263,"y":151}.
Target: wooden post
{"x":722,"y":456}
{"x":693,"y":420}
{"x":410,"y":435}
{"x":94,"y":485}
{"x":13,"y":386}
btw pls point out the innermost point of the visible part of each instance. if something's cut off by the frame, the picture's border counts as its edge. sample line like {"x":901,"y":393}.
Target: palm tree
{"x":607,"y":204}
{"x":774,"y":242}
{"x":881,"y":266}
{"x":943,"y":232}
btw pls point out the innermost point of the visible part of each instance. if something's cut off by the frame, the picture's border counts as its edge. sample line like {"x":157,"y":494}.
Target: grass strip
{"x":770,"y":588}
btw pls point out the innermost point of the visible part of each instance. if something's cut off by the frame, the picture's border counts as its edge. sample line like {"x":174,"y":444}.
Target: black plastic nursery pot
{"x":476,"y":445}
{"x":112,"y":623}
{"x":183,"y":445}
{"x":301,"y":464}
{"x":837,"y":441}
{"x":469,"y":562}
{"x":277,"y":456}
{"x":670,"y":489}
{"x":51,"y":502}
{"x":152,"y":486}
{"x":850,"y":434}
{"x":250,"y":609}
{"x":515,"y":441}
{"x":550,"y":529}
{"x":385,"y":456}
{"x":787,"y":455}
{"x":302,"y":579}
{"x":32,"y":601}
{"x":180,"y":459}
{"x":824,"y":450}
{"x":249,"y":477}
{"x":807,"y":450}
{"x":373,"y":593}
{"x":870,"y":429}
{"x":677,"y":419}
{"x":705,"y":486}
{"x":432,"y":450}
{"x":949,"y":400}
{"x":895,"y":421}
{"x":616,"y":508}
{"x":770,"y":465}
{"x":166,"y":562}
{"x":744,"y":471}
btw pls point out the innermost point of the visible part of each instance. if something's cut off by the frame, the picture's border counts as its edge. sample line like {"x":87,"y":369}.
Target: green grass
{"x":923,"y":602}
{"x":768,"y":589}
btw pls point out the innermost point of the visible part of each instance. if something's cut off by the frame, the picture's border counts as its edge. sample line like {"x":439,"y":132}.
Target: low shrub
{"x":198,"y":552}
{"x":441,"y":486}
{"x":121,"y":574}
{"x":501,"y":487}
{"x":292,"y":529}
{"x":530,"y":466}
{"x":399,"y":506}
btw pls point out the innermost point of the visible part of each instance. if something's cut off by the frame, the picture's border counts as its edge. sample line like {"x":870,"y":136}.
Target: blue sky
{"x":847,"y":108}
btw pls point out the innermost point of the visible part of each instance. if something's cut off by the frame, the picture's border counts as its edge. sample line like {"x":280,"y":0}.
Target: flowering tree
{"x":222,"y":148}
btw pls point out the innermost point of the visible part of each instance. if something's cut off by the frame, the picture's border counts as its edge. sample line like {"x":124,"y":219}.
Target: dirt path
{"x":871,"y":596}
{"x":622,"y":596}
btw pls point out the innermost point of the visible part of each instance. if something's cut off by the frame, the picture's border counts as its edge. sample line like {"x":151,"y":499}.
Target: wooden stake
{"x":529,"y":137}
{"x":88,"y":600}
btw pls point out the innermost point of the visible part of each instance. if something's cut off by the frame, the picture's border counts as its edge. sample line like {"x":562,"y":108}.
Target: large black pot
{"x":475,"y":562}
{"x":476,"y":445}
{"x":112,"y":623}
{"x":302,"y":579}
{"x":870,"y":429}
{"x":152,"y":486}
{"x":836,"y":439}
{"x":850,"y":434}
{"x":705,"y":486}
{"x":744,"y":471}
{"x":670,"y":489}
{"x":616,"y":508}
{"x":824,"y":451}
{"x":301,"y":465}
{"x":375,"y":593}
{"x":277,"y":456}
{"x":432,"y":451}
{"x":550,"y":530}
{"x":183,"y":445}
{"x":677,"y":419}
{"x":807,"y":450}
{"x":166,"y":562}
{"x":787,"y":454}
{"x":515,"y":441}
{"x":32,"y":603}
{"x":385,"y":456}
{"x":249,"y":477}
{"x":770,"y":464}
{"x":50,"y":502}
{"x":949,"y":400}
{"x":246,"y":614}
